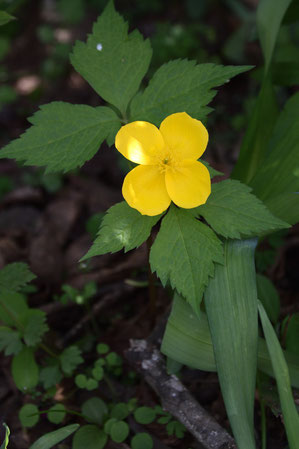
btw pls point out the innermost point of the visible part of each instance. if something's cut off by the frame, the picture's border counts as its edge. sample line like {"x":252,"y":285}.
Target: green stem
{"x":151,"y":281}
{"x":263,"y":414}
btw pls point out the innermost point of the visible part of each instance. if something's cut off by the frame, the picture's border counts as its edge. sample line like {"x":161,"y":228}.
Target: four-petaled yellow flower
{"x":169,"y":169}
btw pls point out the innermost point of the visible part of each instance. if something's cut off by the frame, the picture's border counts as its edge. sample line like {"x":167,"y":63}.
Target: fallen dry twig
{"x":175,"y":398}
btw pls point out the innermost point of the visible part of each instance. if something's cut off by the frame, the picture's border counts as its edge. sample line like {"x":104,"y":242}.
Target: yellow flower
{"x":168,"y":170}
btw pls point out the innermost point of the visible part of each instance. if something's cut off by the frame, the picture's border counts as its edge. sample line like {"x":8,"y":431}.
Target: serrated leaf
{"x":70,"y":358}
{"x":10,"y":341}
{"x":234,"y":212}
{"x":15,"y":275}
{"x":50,"y":439}
{"x":122,"y":227}
{"x":63,"y":136}
{"x":213,"y":172}
{"x":279,"y":172}
{"x":35,"y":327}
{"x":25,"y":371}
{"x":113,"y":61}
{"x":50,"y":376}
{"x":184,"y":253}
{"x":181,"y":86}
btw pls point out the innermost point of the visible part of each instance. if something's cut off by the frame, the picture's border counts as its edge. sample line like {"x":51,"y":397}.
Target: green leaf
{"x":10,"y":341}
{"x":6,"y":438}
{"x":81,"y":380}
{"x":285,"y":206}
{"x":89,"y":436}
{"x":285,"y":73}
{"x":15,"y":275}
{"x":213,"y":172}
{"x":63,"y":136}
{"x":12,"y":308}
{"x":231,"y":305}
{"x":119,"y":431}
{"x":184,"y":253}
{"x":292,"y":334}
{"x":279,"y":172}
{"x":70,"y":358}
{"x":269,"y":297}
{"x":50,"y":376}
{"x":181,"y":86}
{"x":122,"y":227}
{"x":268,"y":24}
{"x":260,"y":127}
{"x":52,"y":438}
{"x":187,"y":339}
{"x":145,"y":415}
{"x":142,"y":441}
{"x":25,"y":371}
{"x":94,"y":410}
{"x":234,"y":212}
{"x":56,"y":413}
{"x":113,"y":61}
{"x":5,"y":18}
{"x":289,"y":411}
{"x":35,"y":327}
{"x":29,"y":415}
{"x":120,"y":411}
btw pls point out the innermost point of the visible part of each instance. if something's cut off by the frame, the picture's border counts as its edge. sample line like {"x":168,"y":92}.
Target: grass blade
{"x":231,"y":304}
{"x":289,"y":411}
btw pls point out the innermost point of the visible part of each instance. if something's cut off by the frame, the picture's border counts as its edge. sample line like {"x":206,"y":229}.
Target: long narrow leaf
{"x":52,"y":438}
{"x":269,"y":18}
{"x":290,"y":415}
{"x":187,"y":339}
{"x":231,"y":304}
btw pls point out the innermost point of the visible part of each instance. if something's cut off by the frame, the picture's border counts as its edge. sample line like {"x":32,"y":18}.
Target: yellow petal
{"x":140,"y":142}
{"x":144,"y":189}
{"x":188,"y":185}
{"x":186,"y":137}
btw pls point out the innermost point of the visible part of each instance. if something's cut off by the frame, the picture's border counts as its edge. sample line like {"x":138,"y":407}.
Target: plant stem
{"x":263,"y":414}
{"x":151,"y":282}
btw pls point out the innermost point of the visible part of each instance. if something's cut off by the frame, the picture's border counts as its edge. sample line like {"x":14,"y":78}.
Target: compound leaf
{"x":64,"y":136}
{"x":178,"y":86}
{"x":15,"y":275}
{"x":184,"y":253}
{"x":122,"y":227}
{"x":113,"y":61}
{"x":10,"y":341}
{"x":35,"y":327}
{"x":234,"y":212}
{"x":70,"y":358}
